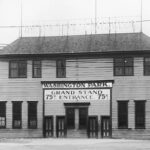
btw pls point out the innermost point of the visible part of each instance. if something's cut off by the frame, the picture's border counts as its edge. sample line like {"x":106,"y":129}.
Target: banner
{"x":76,"y":94}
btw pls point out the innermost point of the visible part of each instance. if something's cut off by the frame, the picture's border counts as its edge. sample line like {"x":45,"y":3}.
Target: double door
{"x":105,"y":127}
{"x":48,"y":126}
{"x":92,"y":127}
{"x":77,"y":118}
{"x":61,"y":130}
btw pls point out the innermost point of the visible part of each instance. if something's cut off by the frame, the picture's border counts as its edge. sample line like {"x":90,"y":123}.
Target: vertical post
{"x":95,"y":16}
{"x":141,"y":24}
{"x":39,"y":31}
{"x":21,"y":20}
{"x":109,"y":26}
{"x":111,"y":126}
{"x":62,"y":29}
{"x":76,"y":119}
{"x":44,"y":135}
{"x":141,"y":15}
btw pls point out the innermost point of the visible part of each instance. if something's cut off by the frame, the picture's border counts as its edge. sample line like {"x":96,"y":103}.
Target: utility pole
{"x":21,"y":20}
{"x":141,"y":16}
{"x":95,"y":16}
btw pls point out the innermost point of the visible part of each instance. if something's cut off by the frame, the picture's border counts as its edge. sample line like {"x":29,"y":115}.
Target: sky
{"x":79,"y":12}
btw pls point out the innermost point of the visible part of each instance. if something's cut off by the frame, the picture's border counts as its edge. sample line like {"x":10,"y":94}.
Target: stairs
{"x":73,"y":133}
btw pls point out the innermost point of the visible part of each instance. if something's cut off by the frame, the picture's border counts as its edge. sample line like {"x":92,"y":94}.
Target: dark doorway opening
{"x":93,"y":126}
{"x":48,"y":126}
{"x":70,"y":114}
{"x":61,"y":126}
{"x":83,"y":115}
{"x":105,"y":127}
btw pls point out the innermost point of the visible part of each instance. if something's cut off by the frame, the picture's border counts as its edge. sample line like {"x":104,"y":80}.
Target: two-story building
{"x":95,"y":86}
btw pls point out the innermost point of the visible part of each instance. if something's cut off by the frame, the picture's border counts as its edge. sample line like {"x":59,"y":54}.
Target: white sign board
{"x":76,"y":85}
{"x":76,"y":94}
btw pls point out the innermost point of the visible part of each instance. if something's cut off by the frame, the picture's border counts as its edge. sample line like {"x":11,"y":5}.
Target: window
{"x":61,"y":68}
{"x":36,"y":69}
{"x":123,"y":66}
{"x":17,"y":112}
{"x":146,"y":66}
{"x":139,"y":114}
{"x":2,"y":114}
{"x":122,"y":114}
{"x":32,"y":115}
{"x":18,"y":69}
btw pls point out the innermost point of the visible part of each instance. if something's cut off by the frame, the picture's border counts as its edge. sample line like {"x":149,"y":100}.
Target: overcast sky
{"x":50,"y":11}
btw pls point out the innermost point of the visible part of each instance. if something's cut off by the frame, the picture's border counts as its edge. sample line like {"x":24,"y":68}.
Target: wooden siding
{"x":78,"y":69}
{"x":30,"y":89}
{"x":23,"y":90}
{"x":131,"y":88}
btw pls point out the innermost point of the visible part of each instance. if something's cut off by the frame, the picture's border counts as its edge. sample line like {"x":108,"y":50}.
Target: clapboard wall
{"x":131,"y":88}
{"x":30,"y":89}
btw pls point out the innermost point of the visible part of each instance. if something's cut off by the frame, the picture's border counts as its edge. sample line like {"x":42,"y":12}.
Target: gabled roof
{"x":78,"y":44}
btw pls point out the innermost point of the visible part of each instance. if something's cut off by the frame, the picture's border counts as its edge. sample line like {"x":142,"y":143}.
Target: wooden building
{"x":81,"y":86}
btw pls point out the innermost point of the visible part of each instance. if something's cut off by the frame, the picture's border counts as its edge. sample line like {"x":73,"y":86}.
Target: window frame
{"x":144,"y":114}
{"x":39,"y":67}
{"x":144,"y":67}
{"x":13,"y":115}
{"x":4,"y":102}
{"x":29,"y":116}
{"x":18,"y":62}
{"x":124,"y":66}
{"x":62,"y":69}
{"x":127,"y":117}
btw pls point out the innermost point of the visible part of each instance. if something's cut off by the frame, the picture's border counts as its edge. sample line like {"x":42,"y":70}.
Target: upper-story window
{"x":123,"y":66}
{"x":61,"y":68}
{"x":36,"y":69}
{"x":18,"y":69}
{"x":147,"y":66}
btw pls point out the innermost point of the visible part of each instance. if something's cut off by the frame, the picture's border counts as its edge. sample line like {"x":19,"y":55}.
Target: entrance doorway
{"x":61,"y":126}
{"x":76,"y":118}
{"x":70,"y":114}
{"x":93,"y":127}
{"x":83,"y":116}
{"x":105,"y":127}
{"x":48,"y":126}
{"x":76,"y":121}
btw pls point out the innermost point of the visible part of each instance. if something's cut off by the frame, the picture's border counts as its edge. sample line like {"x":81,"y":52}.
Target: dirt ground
{"x":73,"y":144}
